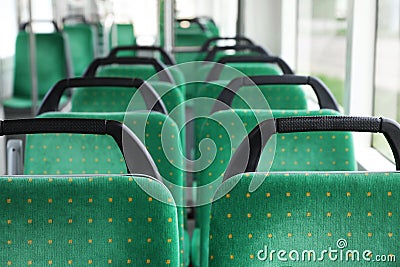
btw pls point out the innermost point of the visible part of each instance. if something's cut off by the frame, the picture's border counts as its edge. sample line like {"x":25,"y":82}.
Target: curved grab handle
{"x":247,"y":155}
{"x":253,"y":48}
{"x":137,"y":158}
{"x":165,"y":57}
{"x":52,"y":99}
{"x":78,"y":17}
{"x":326,"y":100}
{"x":26,"y":24}
{"x":238,"y":39}
{"x":216,"y":71}
{"x":162,"y":71}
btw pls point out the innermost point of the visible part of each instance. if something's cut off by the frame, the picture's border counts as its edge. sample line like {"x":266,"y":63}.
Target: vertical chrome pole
{"x":169,"y":26}
{"x":240,"y":19}
{"x":33,"y":67}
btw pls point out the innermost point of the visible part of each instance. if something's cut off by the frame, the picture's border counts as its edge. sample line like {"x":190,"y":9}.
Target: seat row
{"x":265,"y":121}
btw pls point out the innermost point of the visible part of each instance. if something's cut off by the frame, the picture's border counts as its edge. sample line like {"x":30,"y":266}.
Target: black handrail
{"x":162,"y":71}
{"x":247,"y":155}
{"x":166,"y":58}
{"x":52,"y":99}
{"x":326,"y":100}
{"x":137,"y":158}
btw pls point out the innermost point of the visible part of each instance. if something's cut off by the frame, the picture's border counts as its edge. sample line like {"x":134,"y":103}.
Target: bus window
{"x":387,"y":67}
{"x":322,"y":42}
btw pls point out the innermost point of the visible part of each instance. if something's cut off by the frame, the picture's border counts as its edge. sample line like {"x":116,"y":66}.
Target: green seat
{"x":160,"y":134}
{"x":172,"y":95}
{"x":218,"y":52}
{"x":189,"y":32}
{"x":328,"y":218}
{"x":52,"y":65}
{"x":325,"y":151}
{"x":81,"y":40}
{"x":275,"y":92}
{"x":229,"y":68}
{"x":315,"y":219}
{"x":146,"y":72}
{"x":122,"y":34}
{"x":59,"y":145}
{"x":87,"y":220}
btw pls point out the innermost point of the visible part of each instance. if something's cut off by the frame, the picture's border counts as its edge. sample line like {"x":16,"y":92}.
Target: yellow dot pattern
{"x":305,"y":210}
{"x":63,"y":216}
{"x":73,"y":154}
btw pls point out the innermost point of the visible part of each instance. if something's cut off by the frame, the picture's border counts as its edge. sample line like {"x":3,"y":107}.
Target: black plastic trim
{"x":216,"y":71}
{"x":326,"y":100}
{"x":253,"y":48}
{"x":166,"y":58}
{"x":256,"y":140}
{"x":52,"y":99}
{"x":163,"y":73}
{"x":26,"y":24}
{"x":78,"y":17}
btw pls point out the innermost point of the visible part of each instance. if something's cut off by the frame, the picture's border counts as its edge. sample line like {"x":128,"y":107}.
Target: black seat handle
{"x":24,"y":25}
{"x":253,"y":48}
{"x":52,"y":99}
{"x":239,"y":39}
{"x":166,"y":58}
{"x":137,"y":158}
{"x":326,"y":100}
{"x":216,"y":70}
{"x":162,"y":71}
{"x":247,"y":155}
{"x":78,"y":17}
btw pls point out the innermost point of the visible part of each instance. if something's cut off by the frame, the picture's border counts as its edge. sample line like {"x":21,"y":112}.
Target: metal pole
{"x":169,"y":26}
{"x":33,"y":67}
{"x":240,"y":19}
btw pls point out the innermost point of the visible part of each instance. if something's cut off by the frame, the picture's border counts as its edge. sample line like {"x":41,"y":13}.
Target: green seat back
{"x":278,"y":97}
{"x":52,"y":65}
{"x":87,"y":221}
{"x":314,"y":151}
{"x":315,"y":219}
{"x":124,"y":34}
{"x":118,"y":99}
{"x":81,"y":40}
{"x":192,"y":36}
{"x":53,"y":154}
{"x":160,"y":134}
{"x":232,"y":71}
{"x":144,"y":72}
{"x":172,"y":96}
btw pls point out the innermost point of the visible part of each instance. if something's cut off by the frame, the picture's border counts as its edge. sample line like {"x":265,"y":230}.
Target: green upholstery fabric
{"x":275,"y":97}
{"x":192,"y":36}
{"x":120,"y":99}
{"x":172,"y":96}
{"x":160,"y":135}
{"x":235,"y":70}
{"x":72,"y":154}
{"x":81,"y":40}
{"x":124,"y":34}
{"x":230,"y":72}
{"x":52,"y":66}
{"x":87,"y":221}
{"x":313,"y":151}
{"x":144,"y":72}
{"x":346,"y":212}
